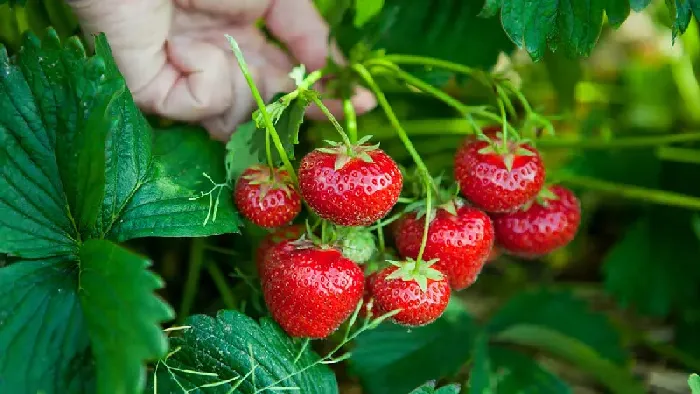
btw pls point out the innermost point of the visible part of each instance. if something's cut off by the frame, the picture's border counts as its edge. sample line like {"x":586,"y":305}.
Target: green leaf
{"x":235,"y":348}
{"x":128,"y":160}
{"x":653,"y":266}
{"x":614,"y":377}
{"x":366,"y":10}
{"x":45,"y":346}
{"x":440,"y":28}
{"x":545,"y":308}
{"x":162,"y":205}
{"x":393,"y":359}
{"x":480,"y":375}
{"x":122,"y":338}
{"x":34,"y":217}
{"x":429,"y":388}
{"x":516,"y":373}
{"x":681,"y":12}
{"x":573,"y":26}
{"x":246,"y":146}
{"x":694,"y":383}
{"x":497,"y":369}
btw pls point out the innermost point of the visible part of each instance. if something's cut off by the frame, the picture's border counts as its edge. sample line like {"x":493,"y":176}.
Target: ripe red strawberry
{"x":310,"y":290}
{"x":421,"y":293}
{"x":278,"y":235}
{"x":498,"y":177}
{"x":549,"y":223}
{"x":268,"y":200}
{"x":350,"y":187}
{"x":461,"y":241}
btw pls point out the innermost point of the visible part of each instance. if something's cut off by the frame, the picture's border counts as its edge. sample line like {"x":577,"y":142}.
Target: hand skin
{"x":178,"y":63}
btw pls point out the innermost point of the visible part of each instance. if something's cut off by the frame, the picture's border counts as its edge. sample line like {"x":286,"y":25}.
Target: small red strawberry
{"x":548,"y":223}
{"x":309,"y":290}
{"x":350,"y":186}
{"x":267,"y":198}
{"x":278,"y":235}
{"x":419,"y":291}
{"x":459,"y":236}
{"x":498,"y":177}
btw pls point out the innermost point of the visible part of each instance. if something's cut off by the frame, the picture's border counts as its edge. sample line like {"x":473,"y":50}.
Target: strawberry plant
{"x":427,"y":246}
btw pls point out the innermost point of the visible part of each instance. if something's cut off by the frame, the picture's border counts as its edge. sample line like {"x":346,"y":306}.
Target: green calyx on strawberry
{"x":543,"y":198}
{"x":508,"y":148}
{"x":268,"y":180}
{"x":446,"y":199}
{"x":415,"y":270}
{"x":346,"y":152}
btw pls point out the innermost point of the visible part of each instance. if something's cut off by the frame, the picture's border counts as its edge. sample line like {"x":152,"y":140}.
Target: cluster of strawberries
{"x":311,"y":287}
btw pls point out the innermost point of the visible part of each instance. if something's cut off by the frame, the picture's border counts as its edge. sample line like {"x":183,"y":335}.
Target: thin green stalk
{"x":333,"y":120}
{"x":268,"y":152}
{"x":220,"y":282}
{"x":681,"y":155}
{"x":324,"y":231}
{"x":431,"y":62}
{"x":463,"y":127}
{"x":428,"y":214}
{"x":350,"y":119}
{"x":460,"y":107}
{"x":634,"y":192}
{"x":384,"y":104}
{"x":192,"y":283}
{"x":380,"y":237}
{"x":263,"y":108}
{"x":310,"y":79}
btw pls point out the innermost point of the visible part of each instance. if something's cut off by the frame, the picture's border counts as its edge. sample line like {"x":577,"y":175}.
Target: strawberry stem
{"x":334,"y":121}
{"x":268,"y":152}
{"x":463,"y":109}
{"x":381,"y":99}
{"x":351,"y":119}
{"x":269,"y":126}
{"x":424,"y":240}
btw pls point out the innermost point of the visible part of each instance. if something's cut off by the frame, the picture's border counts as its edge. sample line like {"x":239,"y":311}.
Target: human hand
{"x":177,"y":62}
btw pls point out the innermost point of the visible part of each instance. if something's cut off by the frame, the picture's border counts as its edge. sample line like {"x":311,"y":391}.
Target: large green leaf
{"x":681,"y":11}
{"x":76,"y":327}
{"x":45,"y":347}
{"x":128,"y":149}
{"x":444,"y":29}
{"x":617,"y":379}
{"x":162,"y":205}
{"x":654,"y":267}
{"x":34,"y":218}
{"x":545,"y":308}
{"x":573,"y":26}
{"x":236,"y":351}
{"x":516,"y":372}
{"x":393,"y":359}
{"x":125,"y":336}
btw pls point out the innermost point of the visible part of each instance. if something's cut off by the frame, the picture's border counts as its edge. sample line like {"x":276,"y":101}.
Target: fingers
{"x":189,"y":86}
{"x":136,"y":31}
{"x":270,"y":68}
{"x":299,"y":26}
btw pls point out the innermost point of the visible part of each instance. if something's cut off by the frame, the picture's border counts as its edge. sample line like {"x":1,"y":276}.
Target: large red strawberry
{"x":267,"y":198}
{"x":419,"y":291}
{"x":350,"y":186}
{"x":460,"y":237}
{"x":549,"y":223}
{"x":498,"y":177}
{"x":278,"y":235}
{"x":310,"y":290}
